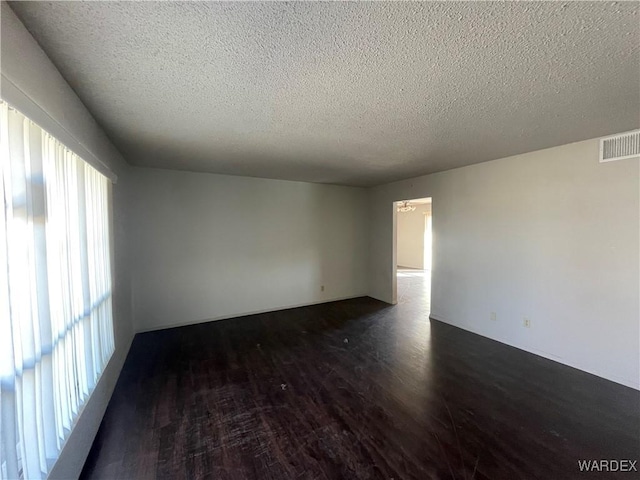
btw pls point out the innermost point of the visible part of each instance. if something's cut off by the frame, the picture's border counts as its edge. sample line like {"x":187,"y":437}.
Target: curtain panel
{"x":56,"y":330}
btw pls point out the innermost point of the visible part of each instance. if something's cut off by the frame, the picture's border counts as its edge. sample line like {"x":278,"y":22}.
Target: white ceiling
{"x":346,"y":93}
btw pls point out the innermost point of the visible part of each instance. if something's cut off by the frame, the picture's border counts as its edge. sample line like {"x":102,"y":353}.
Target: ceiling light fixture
{"x":405,"y":206}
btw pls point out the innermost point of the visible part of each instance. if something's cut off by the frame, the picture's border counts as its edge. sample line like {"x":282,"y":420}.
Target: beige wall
{"x":552,"y":235}
{"x":215,"y":246}
{"x":31,"y":83}
{"x":411,"y":231}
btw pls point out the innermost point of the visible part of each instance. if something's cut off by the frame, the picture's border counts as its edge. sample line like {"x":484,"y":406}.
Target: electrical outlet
{"x":493,"y":316}
{"x":322,"y":288}
{"x":526,"y":322}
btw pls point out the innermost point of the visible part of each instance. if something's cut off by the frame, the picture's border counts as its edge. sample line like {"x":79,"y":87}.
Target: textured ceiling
{"x":346,"y":93}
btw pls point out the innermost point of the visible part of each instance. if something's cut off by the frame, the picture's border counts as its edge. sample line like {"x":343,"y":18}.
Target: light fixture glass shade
{"x":405,"y":206}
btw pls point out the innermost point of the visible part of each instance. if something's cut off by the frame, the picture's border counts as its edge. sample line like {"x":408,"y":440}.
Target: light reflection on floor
{"x":414,"y":287}
{"x":412,"y":371}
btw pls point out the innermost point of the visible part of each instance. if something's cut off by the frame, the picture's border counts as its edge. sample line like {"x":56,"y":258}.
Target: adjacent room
{"x":319,"y":240}
{"x":413,"y":252}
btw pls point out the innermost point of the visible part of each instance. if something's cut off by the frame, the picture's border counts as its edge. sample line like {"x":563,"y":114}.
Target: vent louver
{"x":620,"y":147}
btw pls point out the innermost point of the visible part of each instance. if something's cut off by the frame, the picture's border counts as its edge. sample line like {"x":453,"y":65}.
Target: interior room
{"x":206,"y":267}
{"x":414,"y":234}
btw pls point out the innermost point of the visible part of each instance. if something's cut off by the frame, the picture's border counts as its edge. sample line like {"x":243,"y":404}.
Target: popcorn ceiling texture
{"x":345,"y":93}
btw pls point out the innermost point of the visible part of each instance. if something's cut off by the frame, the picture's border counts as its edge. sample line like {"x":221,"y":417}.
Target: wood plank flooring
{"x":355,"y":389}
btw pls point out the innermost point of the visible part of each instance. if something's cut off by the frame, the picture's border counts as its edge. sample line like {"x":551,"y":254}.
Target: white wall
{"x":32,"y":83}
{"x":214,"y":246}
{"x":552,"y":235}
{"x":411,"y":231}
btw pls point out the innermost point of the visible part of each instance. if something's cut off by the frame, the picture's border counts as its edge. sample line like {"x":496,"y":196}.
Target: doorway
{"x":413,"y":255}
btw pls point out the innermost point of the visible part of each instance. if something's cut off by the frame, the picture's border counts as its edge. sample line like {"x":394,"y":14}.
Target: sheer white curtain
{"x":56,"y":332}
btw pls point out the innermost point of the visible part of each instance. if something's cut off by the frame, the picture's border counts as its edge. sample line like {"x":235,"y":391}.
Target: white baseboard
{"x":247,"y":314}
{"x":635,"y":384}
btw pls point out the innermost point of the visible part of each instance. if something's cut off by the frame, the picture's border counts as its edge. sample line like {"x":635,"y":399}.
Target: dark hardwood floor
{"x":355,"y":389}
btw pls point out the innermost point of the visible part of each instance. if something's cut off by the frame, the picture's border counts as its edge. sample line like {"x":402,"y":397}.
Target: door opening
{"x":413,"y":256}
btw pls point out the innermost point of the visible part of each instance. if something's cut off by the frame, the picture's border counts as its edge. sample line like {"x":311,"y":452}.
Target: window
{"x":56,"y":331}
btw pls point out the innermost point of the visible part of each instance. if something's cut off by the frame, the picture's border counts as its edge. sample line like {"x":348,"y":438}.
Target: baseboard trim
{"x":248,"y":314}
{"x":612,"y":378}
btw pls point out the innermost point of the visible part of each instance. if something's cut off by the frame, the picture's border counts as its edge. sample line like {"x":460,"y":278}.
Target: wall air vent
{"x":620,"y":146}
